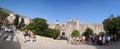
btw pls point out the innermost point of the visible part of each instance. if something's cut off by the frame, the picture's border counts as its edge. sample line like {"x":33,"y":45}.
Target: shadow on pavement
{"x":10,"y":44}
{"x":110,"y":46}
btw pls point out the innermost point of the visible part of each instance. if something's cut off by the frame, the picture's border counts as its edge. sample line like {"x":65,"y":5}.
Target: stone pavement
{"x":48,"y":43}
{"x":8,"y":40}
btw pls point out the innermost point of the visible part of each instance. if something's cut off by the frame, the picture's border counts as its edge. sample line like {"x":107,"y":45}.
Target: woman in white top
{"x":103,"y":41}
{"x":108,"y":39}
{"x":32,"y":36}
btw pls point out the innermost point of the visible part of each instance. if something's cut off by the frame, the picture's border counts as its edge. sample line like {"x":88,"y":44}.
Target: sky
{"x":87,"y":11}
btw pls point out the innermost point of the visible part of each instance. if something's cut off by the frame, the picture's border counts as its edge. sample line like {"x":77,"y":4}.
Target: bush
{"x":101,"y":33}
{"x":88,"y":32}
{"x":40,"y":27}
{"x":52,"y":33}
{"x":75,"y":33}
{"x":3,"y":15}
{"x":20,"y":29}
{"x":55,"y":33}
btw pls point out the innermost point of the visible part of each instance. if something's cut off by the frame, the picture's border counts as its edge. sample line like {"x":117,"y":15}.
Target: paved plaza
{"x":9,"y":41}
{"x":46,"y":43}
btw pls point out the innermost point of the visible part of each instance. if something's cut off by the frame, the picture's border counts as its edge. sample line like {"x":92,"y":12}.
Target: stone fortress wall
{"x":67,"y":27}
{"x":71,"y":25}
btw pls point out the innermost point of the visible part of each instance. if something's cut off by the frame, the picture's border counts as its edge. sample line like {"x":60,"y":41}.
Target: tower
{"x":57,"y":25}
{"x":77,"y":23}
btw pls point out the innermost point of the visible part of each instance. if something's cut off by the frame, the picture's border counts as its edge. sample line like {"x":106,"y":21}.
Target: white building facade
{"x":12,"y":16}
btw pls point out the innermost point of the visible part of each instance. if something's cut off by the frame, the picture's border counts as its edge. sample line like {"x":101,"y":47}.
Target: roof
{"x":3,"y":20}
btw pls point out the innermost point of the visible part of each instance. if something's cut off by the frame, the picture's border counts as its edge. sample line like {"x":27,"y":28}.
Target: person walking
{"x":111,"y":39}
{"x":93,"y":39}
{"x":25,"y":33}
{"x":32,"y":36}
{"x":83,"y":39}
{"x":108,"y":39}
{"x":29,"y":33}
{"x":100,"y":40}
{"x":103,"y":40}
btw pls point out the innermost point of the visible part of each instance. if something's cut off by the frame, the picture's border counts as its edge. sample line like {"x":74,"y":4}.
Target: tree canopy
{"x":21,"y":24}
{"x":101,"y":33}
{"x":88,"y":32}
{"x":16,"y":21}
{"x":75,"y":33}
{"x":40,"y":27}
{"x":3,"y":15}
{"x":112,"y":24}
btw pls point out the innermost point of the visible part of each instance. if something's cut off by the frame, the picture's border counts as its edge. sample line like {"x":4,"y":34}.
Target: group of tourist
{"x":77,"y":40}
{"x":29,"y":34}
{"x":104,"y":39}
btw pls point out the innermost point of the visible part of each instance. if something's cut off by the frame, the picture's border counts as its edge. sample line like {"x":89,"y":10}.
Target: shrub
{"x":88,"y":32}
{"x":101,"y":33}
{"x":40,"y":27}
{"x":75,"y":33}
{"x":56,"y":33}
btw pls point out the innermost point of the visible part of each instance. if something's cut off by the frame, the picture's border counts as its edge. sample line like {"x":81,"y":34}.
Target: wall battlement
{"x":71,"y":25}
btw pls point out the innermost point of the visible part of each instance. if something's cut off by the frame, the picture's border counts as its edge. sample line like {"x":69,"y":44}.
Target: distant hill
{"x":5,"y":12}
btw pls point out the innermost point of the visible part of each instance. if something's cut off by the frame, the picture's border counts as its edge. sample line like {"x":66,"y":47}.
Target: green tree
{"x":101,"y":33}
{"x":55,"y":33}
{"x":40,"y":27}
{"x":88,"y":32}
{"x":16,"y":21}
{"x":75,"y":33}
{"x":112,"y":24}
{"x":3,"y":15}
{"x":22,"y":24}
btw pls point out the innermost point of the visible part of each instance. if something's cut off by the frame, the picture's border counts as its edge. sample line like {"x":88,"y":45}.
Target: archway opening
{"x":63,"y":33}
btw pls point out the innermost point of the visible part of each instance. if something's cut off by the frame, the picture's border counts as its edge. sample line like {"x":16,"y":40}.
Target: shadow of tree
{"x":110,"y":46}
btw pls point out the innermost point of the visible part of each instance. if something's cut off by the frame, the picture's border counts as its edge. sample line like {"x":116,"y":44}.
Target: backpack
{"x":26,"y":33}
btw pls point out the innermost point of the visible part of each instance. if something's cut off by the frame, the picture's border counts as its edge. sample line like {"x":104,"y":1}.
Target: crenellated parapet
{"x":71,"y":25}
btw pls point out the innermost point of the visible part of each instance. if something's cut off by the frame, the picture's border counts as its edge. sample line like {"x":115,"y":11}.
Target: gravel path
{"x":47,"y":43}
